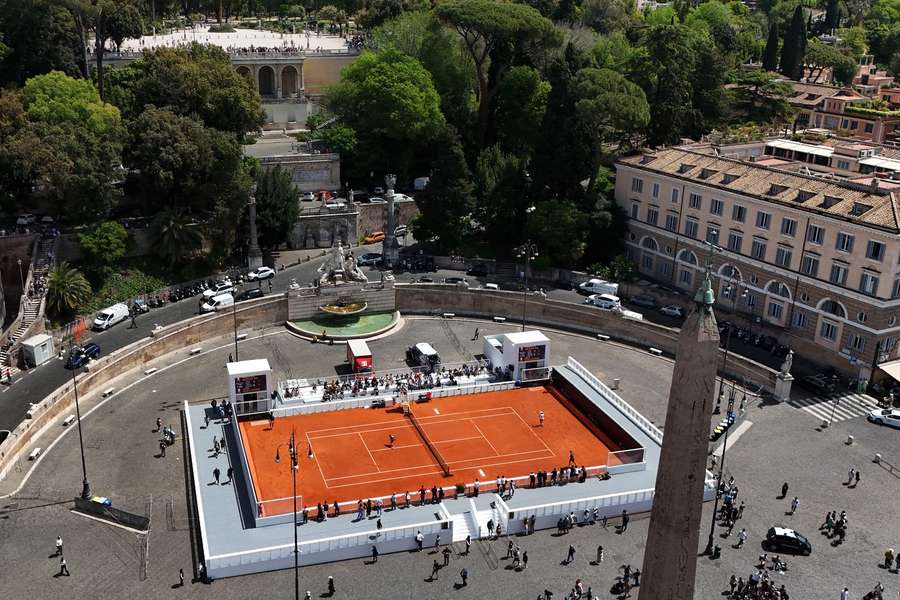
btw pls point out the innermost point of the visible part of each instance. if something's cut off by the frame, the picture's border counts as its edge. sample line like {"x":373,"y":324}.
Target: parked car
{"x":250,"y":294}
{"x":368,"y":259}
{"x":378,"y":191}
{"x":400,"y":230}
{"x":220,"y":287}
{"x":599,"y":286}
{"x":458,"y":281}
{"x":376,"y":200}
{"x":109,"y":316}
{"x":425,"y":279}
{"x":423,"y":355}
{"x":375,"y":237}
{"x":788,"y":540}
{"x":307,"y":197}
{"x":139,"y":306}
{"x":885,"y":416}
{"x":26,"y":219}
{"x":477,"y":270}
{"x":819,"y":383}
{"x":604,"y":301}
{"x":217,"y":303}
{"x":644,"y":300}
{"x":47,"y":220}
{"x":80,"y":355}
{"x":402,"y":198}
{"x":261,"y":273}
{"x":491,"y":286}
{"x":672,"y":311}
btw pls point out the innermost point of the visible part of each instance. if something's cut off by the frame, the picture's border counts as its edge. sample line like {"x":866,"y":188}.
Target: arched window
{"x":778,"y":289}
{"x":730,"y":272}
{"x":687,"y":256}
{"x":650,"y":244}
{"x":833,"y":307}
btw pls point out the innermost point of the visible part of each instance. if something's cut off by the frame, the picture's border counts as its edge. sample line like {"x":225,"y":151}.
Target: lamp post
{"x":234,"y":322}
{"x":21,"y":278}
{"x":292,"y":449}
{"x":86,"y":486}
{"x":527,"y":251}
{"x":712,"y":526}
{"x":731,"y":291}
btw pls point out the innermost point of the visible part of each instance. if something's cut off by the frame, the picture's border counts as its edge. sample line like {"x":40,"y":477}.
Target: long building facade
{"x":814,"y":257}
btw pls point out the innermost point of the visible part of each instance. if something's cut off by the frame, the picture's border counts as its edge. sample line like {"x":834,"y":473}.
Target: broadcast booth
{"x":523,"y":356}
{"x":250,"y":386}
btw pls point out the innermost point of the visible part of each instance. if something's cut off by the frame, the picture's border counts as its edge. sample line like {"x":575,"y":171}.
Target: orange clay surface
{"x":480,"y":436}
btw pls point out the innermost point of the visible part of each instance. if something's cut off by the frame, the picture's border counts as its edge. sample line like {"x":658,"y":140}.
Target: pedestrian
{"x":599,"y":554}
{"x":468,"y":544}
{"x":230,"y":358}
{"x":133,"y":324}
{"x":845,"y":594}
{"x":570,"y":556}
{"x":378,"y":524}
{"x":784,"y":490}
{"x":740,"y":512}
{"x":742,"y":537}
{"x":464,"y":575}
{"x":216,"y":474}
{"x":447,"y":553}
{"x":571,"y":458}
{"x":308,"y":595}
{"x":525,"y":560}
{"x":795,"y":504}
{"x":230,"y":474}
{"x":604,"y":521}
{"x":393,"y":501}
{"x":59,"y":546}
{"x":158,"y":424}
{"x":857,"y":479}
{"x":509,"y":548}
{"x":391,"y":440}
{"x":330,"y":585}
{"x":850,"y":475}
{"x":540,"y":418}
{"x":162,"y":449}
{"x":475,"y":335}
{"x":435,"y":567}
{"x":419,"y":540}
{"x":180,"y":577}
{"x":637,"y":577}
{"x":490,"y":526}
{"x":475,"y":486}
{"x":406,"y":498}
{"x":624,"y":521}
{"x":731,"y":584}
{"x":374,"y":554}
{"x":63,"y":567}
{"x":270,"y":287}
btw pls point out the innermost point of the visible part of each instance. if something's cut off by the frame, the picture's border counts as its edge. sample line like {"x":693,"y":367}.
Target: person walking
{"x":435,"y":567}
{"x":464,"y":575}
{"x":624,"y":521}
{"x":845,"y":594}
{"x":468,"y":544}
{"x":59,"y":546}
{"x":742,"y":537}
{"x":63,"y":567}
{"x":570,"y":556}
{"x":795,"y":504}
{"x":490,"y":527}
{"x":599,"y":555}
{"x":374,"y":554}
{"x":732,"y":583}
{"x":571,"y":458}
{"x":475,"y":335}
{"x":419,"y":540}
{"x":229,"y":474}
{"x":162,"y":449}
{"x":856,"y":483}
{"x":158,"y":425}
{"x":525,"y":560}
{"x":216,"y":474}
{"x":540,"y":418}
{"x":850,"y":475}
{"x":180,"y":577}
{"x":784,"y":490}
{"x":330,"y":585}
{"x":447,"y":553}
{"x":133,"y":315}
{"x":509,"y":549}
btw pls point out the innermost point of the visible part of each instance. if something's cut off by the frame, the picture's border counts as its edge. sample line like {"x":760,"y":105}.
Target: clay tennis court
{"x":479,"y":436}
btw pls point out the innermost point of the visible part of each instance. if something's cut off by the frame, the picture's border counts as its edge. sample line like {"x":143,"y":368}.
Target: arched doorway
{"x":245,"y":72}
{"x":266,"y":81}
{"x":289,"y":82}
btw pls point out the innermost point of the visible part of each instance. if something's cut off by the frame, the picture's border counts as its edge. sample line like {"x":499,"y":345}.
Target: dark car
{"x":477,"y":270}
{"x":80,"y":355}
{"x":644,"y":300}
{"x":788,"y":540}
{"x":249,"y":294}
{"x":139,"y":306}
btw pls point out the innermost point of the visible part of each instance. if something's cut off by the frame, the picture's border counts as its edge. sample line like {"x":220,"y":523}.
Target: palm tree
{"x":174,"y":237}
{"x":67,"y":288}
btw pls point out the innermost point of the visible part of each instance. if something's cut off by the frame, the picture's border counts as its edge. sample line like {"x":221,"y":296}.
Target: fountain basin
{"x":344,"y":308}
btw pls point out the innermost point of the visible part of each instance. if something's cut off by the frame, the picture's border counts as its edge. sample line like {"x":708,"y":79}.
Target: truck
{"x":359,"y":356}
{"x":599,"y":286}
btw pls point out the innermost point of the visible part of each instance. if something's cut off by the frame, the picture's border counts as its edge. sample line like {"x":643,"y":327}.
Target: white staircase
{"x":464,"y":526}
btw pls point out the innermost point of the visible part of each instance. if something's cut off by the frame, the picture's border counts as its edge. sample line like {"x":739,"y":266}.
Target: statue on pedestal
{"x":340,"y":268}
{"x":788,"y":363}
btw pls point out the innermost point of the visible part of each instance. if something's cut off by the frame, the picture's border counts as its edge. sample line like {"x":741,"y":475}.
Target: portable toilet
{"x":38,"y":349}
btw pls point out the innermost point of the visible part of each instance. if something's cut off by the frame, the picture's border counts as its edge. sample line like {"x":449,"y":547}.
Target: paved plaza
{"x":239,"y":39}
{"x":781,"y":444}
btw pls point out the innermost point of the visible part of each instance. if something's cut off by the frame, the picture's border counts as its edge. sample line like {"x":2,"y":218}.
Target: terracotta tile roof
{"x":811,"y":94}
{"x":843,"y":200}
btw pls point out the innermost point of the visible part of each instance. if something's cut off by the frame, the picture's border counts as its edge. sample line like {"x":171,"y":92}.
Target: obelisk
{"x":254,"y":254}
{"x":670,"y":559}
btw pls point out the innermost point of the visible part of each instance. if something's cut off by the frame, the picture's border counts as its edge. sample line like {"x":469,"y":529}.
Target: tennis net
{"x":434,"y":451}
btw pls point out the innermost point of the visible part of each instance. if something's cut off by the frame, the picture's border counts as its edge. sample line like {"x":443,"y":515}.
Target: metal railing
{"x":565,"y":507}
{"x":610,"y":396}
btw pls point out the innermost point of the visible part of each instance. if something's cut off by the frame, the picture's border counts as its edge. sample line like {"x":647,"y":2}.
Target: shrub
{"x":221,"y":28}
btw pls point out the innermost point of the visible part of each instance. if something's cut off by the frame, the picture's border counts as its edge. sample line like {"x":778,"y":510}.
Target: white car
{"x":400,"y":230}
{"x":604,"y":301}
{"x":307,"y":197}
{"x":672,"y":311}
{"x":260,"y":274}
{"x":220,"y":287}
{"x":885,"y":416}
{"x":403,"y":198}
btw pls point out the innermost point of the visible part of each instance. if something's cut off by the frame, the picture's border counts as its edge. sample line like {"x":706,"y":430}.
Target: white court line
{"x":431,"y":464}
{"x":395,"y":448}
{"x":367,"y":450}
{"x":465,"y":412}
{"x":482,"y":473}
{"x":436,"y":411}
{"x":485,"y":437}
{"x":322,"y":473}
{"x":400,"y":424}
{"x":474,"y":437}
{"x":531,"y":430}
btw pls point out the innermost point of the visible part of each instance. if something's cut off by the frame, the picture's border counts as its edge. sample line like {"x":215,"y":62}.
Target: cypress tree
{"x":794,"y":46}
{"x":770,"y":55}
{"x":832,"y":15}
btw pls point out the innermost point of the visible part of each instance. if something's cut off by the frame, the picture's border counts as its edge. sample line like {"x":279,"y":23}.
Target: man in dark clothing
{"x":624,"y":521}
{"x":464,"y":574}
{"x":374,"y":554}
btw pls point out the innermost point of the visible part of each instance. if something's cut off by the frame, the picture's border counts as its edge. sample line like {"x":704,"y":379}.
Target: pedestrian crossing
{"x":848,"y":406}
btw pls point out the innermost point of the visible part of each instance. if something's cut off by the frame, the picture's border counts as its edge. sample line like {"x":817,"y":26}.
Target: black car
{"x":477,"y":270}
{"x":80,"y":355}
{"x":249,"y":294}
{"x":788,"y":540}
{"x":139,"y":306}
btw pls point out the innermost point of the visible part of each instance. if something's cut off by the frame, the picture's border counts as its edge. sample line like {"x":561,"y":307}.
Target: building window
{"x":838,"y":274}
{"x":815,"y":234}
{"x":788,"y":227}
{"x":690,"y":229}
{"x":686,"y":276}
{"x":783,"y":257}
{"x":751,"y":300}
{"x":655,"y":190}
{"x":869,"y":128}
{"x":800,"y":319}
{"x":809,"y":265}
{"x":754,"y":280}
{"x":763,"y":219}
{"x":647,"y":262}
{"x":712,"y":234}
{"x":635,"y":210}
{"x":875,"y":250}
{"x":734,"y":241}
{"x":854,"y":124}
{"x":895,"y":292}
{"x":739,"y":213}
{"x":888,"y":344}
{"x":804,"y":297}
{"x":674,"y":194}
{"x":637,"y":185}
{"x":828,"y":330}
{"x":695,"y":201}
{"x":652,"y":215}
{"x":716,"y":206}
{"x":776,"y":309}
{"x":843,"y":164}
{"x":758,"y":249}
{"x":858,"y":342}
{"x":862,"y":317}
{"x":665,"y":268}
{"x":672,"y":222}
{"x":868,"y":283}
{"x":844,"y":242}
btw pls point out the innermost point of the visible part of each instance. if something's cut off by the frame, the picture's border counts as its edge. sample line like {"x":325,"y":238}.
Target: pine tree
{"x":770,"y":55}
{"x":794,"y":46}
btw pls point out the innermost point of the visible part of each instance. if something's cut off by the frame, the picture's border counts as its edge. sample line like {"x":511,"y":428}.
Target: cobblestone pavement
{"x":783,"y":444}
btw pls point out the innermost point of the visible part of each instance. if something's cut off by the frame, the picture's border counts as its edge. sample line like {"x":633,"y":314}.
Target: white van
{"x":217,"y":303}
{"x":604,"y":301}
{"x":108,"y":317}
{"x":599,"y":286}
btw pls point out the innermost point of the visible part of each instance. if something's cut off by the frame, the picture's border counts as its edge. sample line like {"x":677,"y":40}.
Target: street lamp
{"x":292,"y":449}
{"x":234,"y":321}
{"x":86,"y":486}
{"x":730,"y":291}
{"x":527,"y":251}
{"x":712,"y":527}
{"x":21,"y":278}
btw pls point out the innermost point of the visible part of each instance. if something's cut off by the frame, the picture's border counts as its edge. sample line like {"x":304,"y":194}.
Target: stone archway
{"x":290,"y":81}
{"x":245,"y":72}
{"x":266,"y":81}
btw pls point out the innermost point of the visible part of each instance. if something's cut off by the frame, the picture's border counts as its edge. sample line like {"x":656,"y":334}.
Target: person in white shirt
{"x":845,"y":594}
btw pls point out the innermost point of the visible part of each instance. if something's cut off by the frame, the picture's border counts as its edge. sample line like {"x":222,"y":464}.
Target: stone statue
{"x":788,"y":363}
{"x":340,"y":268}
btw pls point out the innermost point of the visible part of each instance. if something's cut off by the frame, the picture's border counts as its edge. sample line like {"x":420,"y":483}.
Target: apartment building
{"x":816,"y":258}
{"x":842,"y":109}
{"x":869,"y":79}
